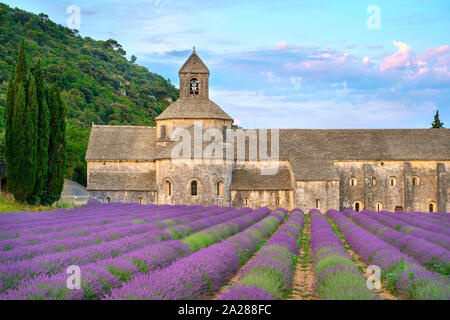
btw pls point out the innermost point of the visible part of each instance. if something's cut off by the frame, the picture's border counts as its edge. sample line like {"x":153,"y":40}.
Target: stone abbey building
{"x":392,"y":169}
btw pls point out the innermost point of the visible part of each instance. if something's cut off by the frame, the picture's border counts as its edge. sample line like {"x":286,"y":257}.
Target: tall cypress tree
{"x":57,"y":147}
{"x":20,"y":75}
{"x":9,"y":116}
{"x":21,"y":139}
{"x":31,"y":138}
{"x":43,"y":133}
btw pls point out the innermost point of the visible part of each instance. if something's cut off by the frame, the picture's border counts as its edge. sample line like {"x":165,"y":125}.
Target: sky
{"x":289,"y":63}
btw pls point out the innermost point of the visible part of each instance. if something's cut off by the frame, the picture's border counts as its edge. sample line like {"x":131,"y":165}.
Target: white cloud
{"x":255,"y":109}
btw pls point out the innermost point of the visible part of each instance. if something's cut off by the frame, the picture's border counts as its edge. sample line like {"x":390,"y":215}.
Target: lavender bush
{"x":401,"y":273}
{"x":337,"y":276}
{"x":270,"y":272}
{"x":203,"y":272}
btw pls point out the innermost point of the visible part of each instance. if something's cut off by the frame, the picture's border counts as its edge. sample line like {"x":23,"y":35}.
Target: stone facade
{"x":361,"y":169}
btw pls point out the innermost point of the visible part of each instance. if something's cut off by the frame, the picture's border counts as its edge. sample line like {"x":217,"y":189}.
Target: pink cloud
{"x":281,"y":45}
{"x":398,"y":59}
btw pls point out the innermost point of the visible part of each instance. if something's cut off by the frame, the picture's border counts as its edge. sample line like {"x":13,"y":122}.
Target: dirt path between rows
{"x":303,"y":279}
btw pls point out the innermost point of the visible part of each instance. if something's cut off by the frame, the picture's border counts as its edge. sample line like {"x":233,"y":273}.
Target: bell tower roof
{"x":194,"y":64}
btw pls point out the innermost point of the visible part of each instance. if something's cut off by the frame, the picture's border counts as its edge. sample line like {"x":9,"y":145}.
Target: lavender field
{"x":132,"y":251}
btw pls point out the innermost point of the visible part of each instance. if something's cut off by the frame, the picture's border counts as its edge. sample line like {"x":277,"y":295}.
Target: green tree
{"x":437,"y":123}
{"x":21,"y":142}
{"x":31,"y":136}
{"x":57,"y":147}
{"x":9,"y":116}
{"x":43,"y":133}
{"x":21,"y":170}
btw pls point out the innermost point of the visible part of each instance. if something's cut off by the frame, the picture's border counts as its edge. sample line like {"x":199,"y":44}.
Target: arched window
{"x":317,"y":204}
{"x":168,"y":188}
{"x":278,"y":201}
{"x":194,"y":187}
{"x":220,"y":188}
{"x":193,"y":85}
{"x":357,"y":206}
{"x":392,"y":181}
{"x":247,"y":202}
{"x":379,"y":206}
{"x":415,"y":181}
{"x":431,"y":207}
{"x":374,"y":182}
{"x":163,"y":131}
{"x":140,"y":200}
{"x":353,"y":182}
{"x":107,"y":199}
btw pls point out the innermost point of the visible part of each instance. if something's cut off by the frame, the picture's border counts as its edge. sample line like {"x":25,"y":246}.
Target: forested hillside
{"x":99,"y":85}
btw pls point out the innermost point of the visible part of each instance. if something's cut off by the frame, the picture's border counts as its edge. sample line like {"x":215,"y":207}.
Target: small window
{"x":353,"y":182}
{"x":163,"y":131}
{"x":194,"y":86}
{"x":392,"y":181}
{"x":379,"y":206}
{"x":107,"y":199}
{"x":194,"y":188}
{"x":140,"y":200}
{"x":224,"y":133}
{"x":247,"y":202}
{"x":168,"y":188}
{"x":357,"y":206}
{"x":415,"y":181}
{"x":398,"y":208}
{"x":278,"y":201}
{"x":317,"y":203}
{"x":220,"y":188}
{"x":374,"y":182}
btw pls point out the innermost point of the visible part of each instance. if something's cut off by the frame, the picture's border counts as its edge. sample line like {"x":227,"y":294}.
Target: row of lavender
{"x":70,"y":241}
{"x":438,"y":224}
{"x":108,"y":265}
{"x":399,"y":224}
{"x":44,"y":221}
{"x":200,"y":275}
{"x":442,"y":219}
{"x":270,"y":273}
{"x":80,"y":223}
{"x":433,"y":256}
{"x":401,"y":273}
{"x":337,"y":277}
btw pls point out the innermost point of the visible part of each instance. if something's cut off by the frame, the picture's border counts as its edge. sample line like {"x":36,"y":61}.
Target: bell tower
{"x":194,"y":78}
{"x":194,"y":105}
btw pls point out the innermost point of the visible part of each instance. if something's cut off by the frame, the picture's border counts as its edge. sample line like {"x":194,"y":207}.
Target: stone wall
{"x":144,"y":197}
{"x":308,"y":192}
{"x":373,"y":184}
{"x":172,"y":124}
{"x":182,"y":172}
{"x":263,"y":198}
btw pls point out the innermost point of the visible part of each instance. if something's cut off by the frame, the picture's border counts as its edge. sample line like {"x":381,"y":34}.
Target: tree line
{"x":35,"y":136}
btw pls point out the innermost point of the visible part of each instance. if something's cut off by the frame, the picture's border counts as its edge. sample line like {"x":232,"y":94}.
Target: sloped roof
{"x":250,"y":178}
{"x":138,"y":143}
{"x":314,"y":170}
{"x":194,"y":65}
{"x":365,"y":144}
{"x":121,"y":180}
{"x":121,"y":143}
{"x":193,"y":108}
